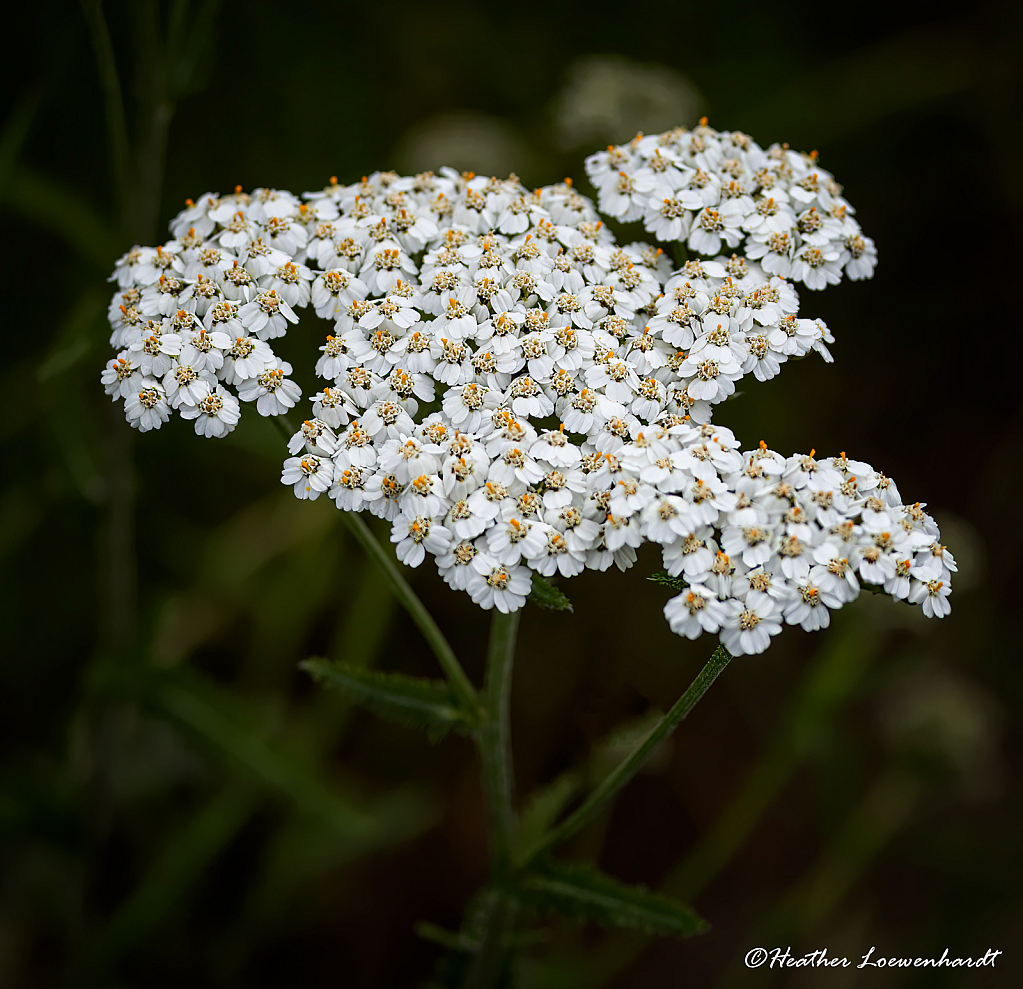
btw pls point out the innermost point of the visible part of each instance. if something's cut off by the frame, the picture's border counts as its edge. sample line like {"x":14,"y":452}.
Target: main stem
{"x":493,"y":739}
{"x":621,"y":775}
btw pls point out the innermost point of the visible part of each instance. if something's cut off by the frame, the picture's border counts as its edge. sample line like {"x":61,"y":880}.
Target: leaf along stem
{"x":407,"y":598}
{"x":624,"y":772}
{"x":460,"y":683}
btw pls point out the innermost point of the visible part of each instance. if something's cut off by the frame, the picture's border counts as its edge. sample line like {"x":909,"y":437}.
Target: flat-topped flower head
{"x":515,"y":392}
{"x":721,"y":187}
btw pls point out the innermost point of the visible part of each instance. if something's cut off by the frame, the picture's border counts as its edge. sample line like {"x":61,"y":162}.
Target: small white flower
{"x":215,"y":414}
{"x":267,"y":316}
{"x":185,"y":385}
{"x":695,"y":611}
{"x":810,"y":606}
{"x":272,"y":392}
{"x":122,"y":378}
{"x":455,"y":566}
{"x":309,"y":476}
{"x":933,"y":596}
{"x":147,"y":408}
{"x":316,"y":437}
{"x":417,"y":534}
{"x":748,"y":626}
{"x":503,"y":587}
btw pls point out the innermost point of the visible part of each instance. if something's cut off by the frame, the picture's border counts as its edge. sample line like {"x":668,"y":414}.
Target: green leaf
{"x":413,"y":701}
{"x":665,"y":579}
{"x":586,"y":893}
{"x":544,"y":807}
{"x":230,"y":725}
{"x":546,"y":595}
{"x":451,"y":940}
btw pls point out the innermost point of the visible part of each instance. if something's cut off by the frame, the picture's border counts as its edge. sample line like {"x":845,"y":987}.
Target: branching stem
{"x":624,"y":772}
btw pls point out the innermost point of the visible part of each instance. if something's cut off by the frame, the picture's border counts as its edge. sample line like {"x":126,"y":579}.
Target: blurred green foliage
{"x":180,"y":803}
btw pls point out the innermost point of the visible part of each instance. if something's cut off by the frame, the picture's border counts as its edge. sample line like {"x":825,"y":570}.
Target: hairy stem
{"x":624,"y":772}
{"x":497,"y":924}
{"x":493,"y":739}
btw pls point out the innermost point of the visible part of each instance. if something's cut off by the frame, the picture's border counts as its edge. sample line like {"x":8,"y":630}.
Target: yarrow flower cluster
{"x":517,"y":394}
{"x":715,"y":189}
{"x":192,"y":319}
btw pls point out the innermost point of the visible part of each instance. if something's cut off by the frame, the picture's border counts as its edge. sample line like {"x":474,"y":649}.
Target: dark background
{"x":178,"y":803}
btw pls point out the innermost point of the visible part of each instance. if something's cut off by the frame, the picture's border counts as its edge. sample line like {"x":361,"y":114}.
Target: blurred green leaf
{"x":413,"y":701}
{"x":585,"y":893}
{"x":63,"y":214}
{"x":368,"y":616}
{"x":191,"y":43}
{"x":74,"y":336}
{"x":546,"y":595}
{"x":544,"y":807}
{"x":15,"y":131}
{"x":224,"y":721}
{"x":450,"y":940}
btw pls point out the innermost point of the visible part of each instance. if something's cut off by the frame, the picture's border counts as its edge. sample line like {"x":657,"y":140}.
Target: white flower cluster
{"x":516,"y":393}
{"x":757,"y":539}
{"x":191,"y":319}
{"x":497,"y":295}
{"x":711,"y":189}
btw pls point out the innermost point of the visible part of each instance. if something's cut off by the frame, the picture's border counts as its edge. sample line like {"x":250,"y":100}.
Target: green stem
{"x":624,"y":772}
{"x":498,"y":924}
{"x":494,"y":738}
{"x":422,"y":618}
{"x":117,"y":127}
